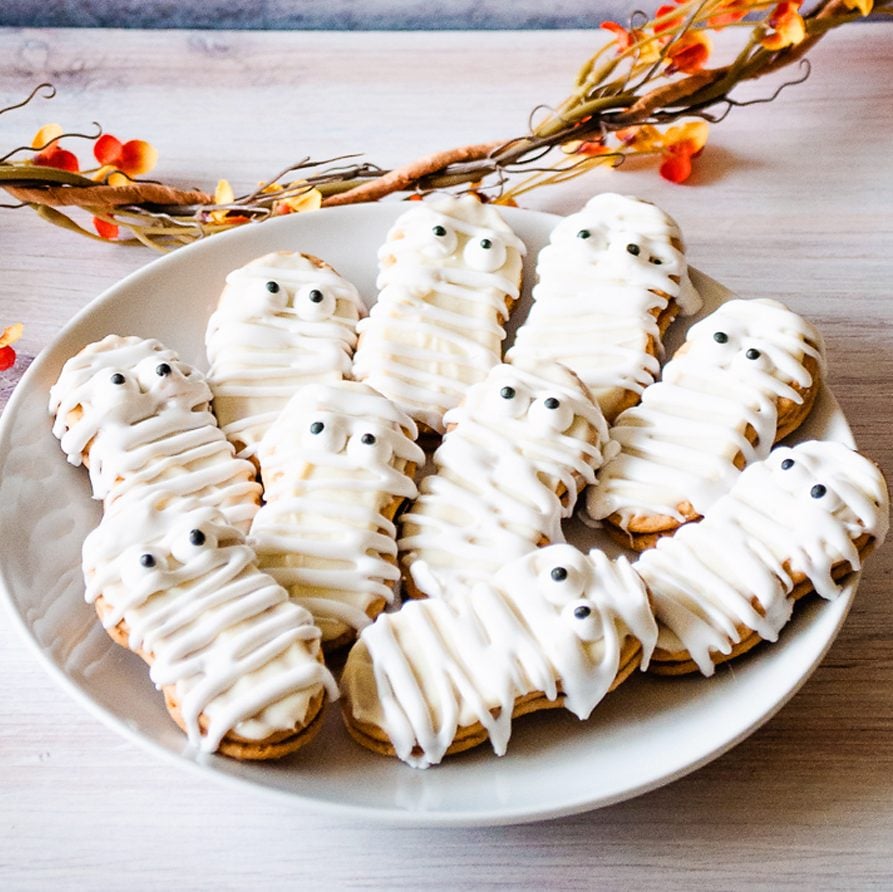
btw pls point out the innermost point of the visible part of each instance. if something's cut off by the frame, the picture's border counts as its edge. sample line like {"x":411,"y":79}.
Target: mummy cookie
{"x":800,"y":521}
{"x":609,"y":283}
{"x":338,"y":464}
{"x":517,"y":452}
{"x":746,"y":377}
{"x":139,"y":418}
{"x":284,"y":320}
{"x":449,"y":273}
{"x":555,"y":628}
{"x":239,"y":664}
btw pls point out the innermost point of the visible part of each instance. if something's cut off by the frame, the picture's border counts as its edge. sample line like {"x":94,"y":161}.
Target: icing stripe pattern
{"x":507,"y":472}
{"x":240,"y":657}
{"x":796,"y":515}
{"x":338,"y":461}
{"x":284,"y":320}
{"x":607,"y":276}
{"x":143,"y":418}
{"x":448,"y":273}
{"x":680,"y":444}
{"x":554,"y":623}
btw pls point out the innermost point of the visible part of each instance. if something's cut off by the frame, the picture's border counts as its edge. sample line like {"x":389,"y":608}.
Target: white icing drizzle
{"x":680,"y":443}
{"x":146,"y":426}
{"x":445,"y":273}
{"x":604,"y":277}
{"x":240,"y":656}
{"x":798,"y":512}
{"x":553,"y":622}
{"x":284,"y":320}
{"x":521,"y":437}
{"x":334,"y":460}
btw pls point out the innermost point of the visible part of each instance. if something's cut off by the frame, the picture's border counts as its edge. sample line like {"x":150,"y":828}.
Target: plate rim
{"x":45,"y":362}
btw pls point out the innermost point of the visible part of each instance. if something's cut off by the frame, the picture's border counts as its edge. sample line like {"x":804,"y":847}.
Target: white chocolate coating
{"x":446,"y":273}
{"x":322,"y":532}
{"x":223,"y":635}
{"x":284,"y":320}
{"x":680,"y":443}
{"x":796,"y":513}
{"x":501,"y":473}
{"x":146,"y":425}
{"x":606,"y":275}
{"x":436,"y":666}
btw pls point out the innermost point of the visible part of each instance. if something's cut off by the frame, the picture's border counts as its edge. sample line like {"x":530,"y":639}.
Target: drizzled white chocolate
{"x":218,"y":633}
{"x":141,"y":417}
{"x":680,"y":444}
{"x":508,"y":471}
{"x":607,"y":275}
{"x":284,"y":320}
{"x":554,"y":623}
{"x":795,"y":515}
{"x":447,"y":275}
{"x":335,"y":463}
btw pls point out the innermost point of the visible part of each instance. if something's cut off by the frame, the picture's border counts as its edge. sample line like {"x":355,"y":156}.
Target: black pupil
{"x":368,"y":439}
{"x":582,"y":612}
{"x":117,"y":378}
{"x":317,"y":427}
{"x":752,"y":354}
{"x":559,"y":574}
{"x":656,"y":261}
{"x":273,"y":287}
{"x":147,"y":560}
{"x":552,"y":403}
{"x":439,"y":231}
{"x":787,"y":464}
{"x":584,"y":233}
{"x":720,"y":337}
{"x":163,"y":370}
{"x":197,"y":537}
{"x":486,"y":244}
{"x":633,"y":249}
{"x":507,"y":393}
{"x":316,"y":296}
{"x":818,"y":491}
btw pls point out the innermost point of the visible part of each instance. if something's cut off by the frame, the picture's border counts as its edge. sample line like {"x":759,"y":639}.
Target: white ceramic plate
{"x":648,"y":733}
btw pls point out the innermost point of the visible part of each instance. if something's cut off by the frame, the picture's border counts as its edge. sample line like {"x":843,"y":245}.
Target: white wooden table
{"x":792,"y":200}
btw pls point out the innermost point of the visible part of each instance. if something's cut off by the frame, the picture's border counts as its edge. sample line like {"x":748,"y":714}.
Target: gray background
{"x":317,"y":14}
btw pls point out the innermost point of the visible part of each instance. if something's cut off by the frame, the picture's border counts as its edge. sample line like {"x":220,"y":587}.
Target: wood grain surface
{"x":792,"y":200}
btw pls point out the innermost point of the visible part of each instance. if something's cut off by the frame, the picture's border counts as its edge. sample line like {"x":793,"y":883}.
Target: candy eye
{"x":551,"y":414}
{"x":655,"y":260}
{"x":273,"y":287}
{"x":720,"y":337}
{"x":584,"y":234}
{"x":139,"y":566}
{"x":486,"y":254}
{"x":197,"y":537}
{"x":367,"y":447}
{"x":147,"y":560}
{"x":818,"y":491}
{"x":584,"y":621}
{"x":313,"y":304}
{"x":633,"y":249}
{"x":561,"y":583}
{"x":752,"y":353}
{"x":509,"y":401}
{"x":191,"y":540}
{"x":787,"y":464}
{"x":327,"y":435}
{"x":435,"y":239}
{"x":117,"y":378}
{"x":163,"y":370}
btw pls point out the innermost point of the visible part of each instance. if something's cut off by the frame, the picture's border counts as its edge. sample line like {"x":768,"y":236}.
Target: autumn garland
{"x":646,"y":92}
